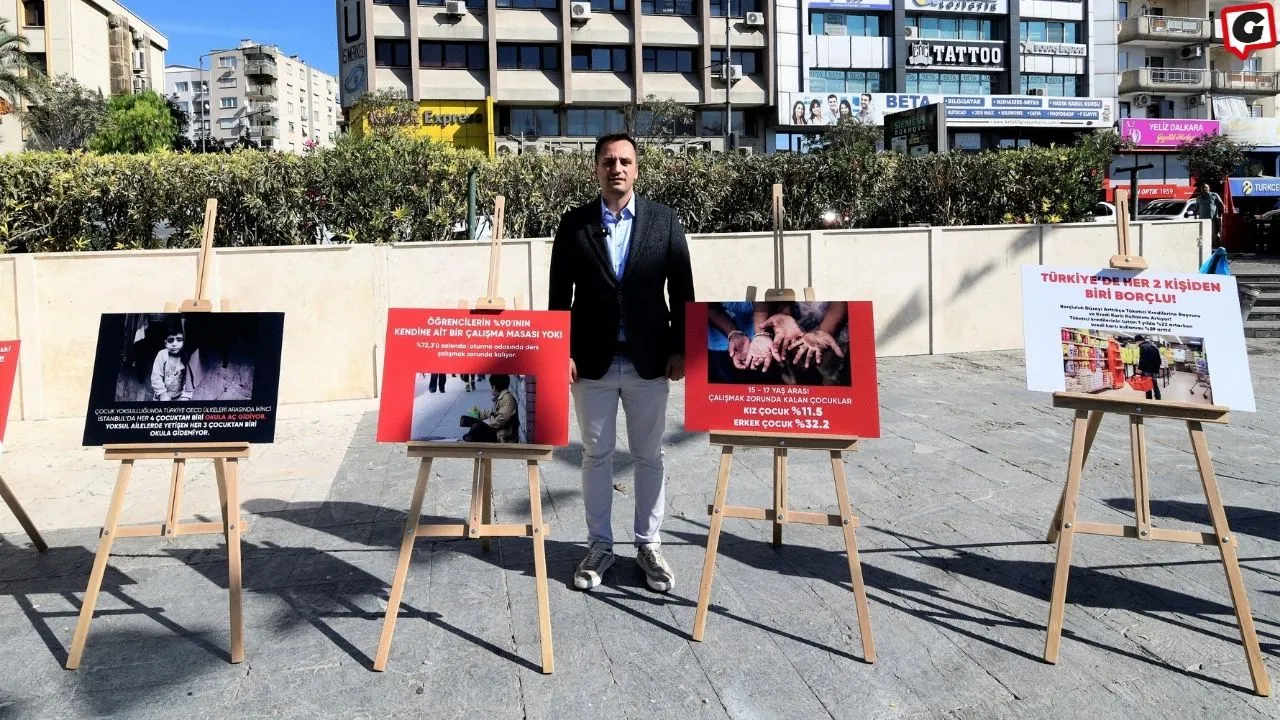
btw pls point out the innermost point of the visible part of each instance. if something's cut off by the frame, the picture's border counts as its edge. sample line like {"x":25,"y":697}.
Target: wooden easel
{"x":23,"y":519}
{"x":225,"y":457}
{"x":1089,"y":411}
{"x":781,"y":444}
{"x":479,"y":523}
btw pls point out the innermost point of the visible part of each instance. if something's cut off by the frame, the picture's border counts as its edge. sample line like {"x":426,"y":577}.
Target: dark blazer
{"x":583,"y":282}
{"x":1148,"y":357}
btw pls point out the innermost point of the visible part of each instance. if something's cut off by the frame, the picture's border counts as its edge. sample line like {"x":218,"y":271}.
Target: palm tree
{"x":14,"y":81}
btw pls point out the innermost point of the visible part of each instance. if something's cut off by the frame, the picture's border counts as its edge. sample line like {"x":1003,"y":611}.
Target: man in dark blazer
{"x":620,"y":265}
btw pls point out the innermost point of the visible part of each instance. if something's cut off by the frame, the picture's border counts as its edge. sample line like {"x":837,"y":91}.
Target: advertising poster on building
{"x":789,"y":367}
{"x":185,"y":377}
{"x":8,"y":371}
{"x":1165,"y":133}
{"x":1125,"y":334}
{"x":475,"y":376}
{"x":826,"y":108}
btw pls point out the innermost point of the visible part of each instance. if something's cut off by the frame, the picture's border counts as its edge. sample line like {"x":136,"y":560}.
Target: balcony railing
{"x":1158,"y":28}
{"x":265,"y":68}
{"x":1164,"y":80}
{"x":1247,"y":83}
{"x":266,"y":93}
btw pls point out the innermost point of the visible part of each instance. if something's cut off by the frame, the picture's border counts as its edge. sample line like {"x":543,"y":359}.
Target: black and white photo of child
{"x":172,"y":357}
{"x":170,"y":375}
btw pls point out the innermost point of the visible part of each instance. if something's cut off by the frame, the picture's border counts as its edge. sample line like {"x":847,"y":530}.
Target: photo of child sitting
{"x":170,"y":372}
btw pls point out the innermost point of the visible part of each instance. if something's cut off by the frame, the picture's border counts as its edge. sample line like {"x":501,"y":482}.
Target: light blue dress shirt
{"x":618,"y":229}
{"x":618,"y":237}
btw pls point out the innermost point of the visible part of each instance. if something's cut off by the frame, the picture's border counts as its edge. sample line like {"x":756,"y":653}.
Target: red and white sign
{"x":1151,"y":191}
{"x":8,"y":371}
{"x":791,"y":367}
{"x":450,"y":369}
{"x":1248,"y":28}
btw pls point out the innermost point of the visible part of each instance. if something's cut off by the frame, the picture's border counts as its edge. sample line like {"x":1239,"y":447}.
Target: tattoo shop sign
{"x":935,"y":54}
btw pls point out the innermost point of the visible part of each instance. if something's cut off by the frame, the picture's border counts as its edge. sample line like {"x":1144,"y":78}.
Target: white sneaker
{"x":657,"y":573}
{"x":591,"y":570}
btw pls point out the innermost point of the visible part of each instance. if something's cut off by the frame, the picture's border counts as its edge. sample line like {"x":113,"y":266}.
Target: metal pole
{"x":202,"y":99}
{"x":728,"y":79}
{"x":471,"y":204}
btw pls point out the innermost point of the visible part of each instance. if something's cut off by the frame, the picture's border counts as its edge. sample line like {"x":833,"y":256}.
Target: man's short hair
{"x":613,"y":138}
{"x":832,"y":96}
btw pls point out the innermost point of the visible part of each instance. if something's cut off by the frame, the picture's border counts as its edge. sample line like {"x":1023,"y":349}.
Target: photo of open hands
{"x":779,"y":342}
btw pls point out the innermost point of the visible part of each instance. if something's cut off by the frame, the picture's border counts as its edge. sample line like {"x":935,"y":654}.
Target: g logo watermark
{"x":1246,"y":28}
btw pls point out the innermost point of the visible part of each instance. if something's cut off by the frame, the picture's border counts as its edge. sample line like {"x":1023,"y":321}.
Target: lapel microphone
{"x":602,"y":233}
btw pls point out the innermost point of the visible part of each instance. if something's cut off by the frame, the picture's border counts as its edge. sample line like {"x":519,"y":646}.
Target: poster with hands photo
{"x":793,"y":367}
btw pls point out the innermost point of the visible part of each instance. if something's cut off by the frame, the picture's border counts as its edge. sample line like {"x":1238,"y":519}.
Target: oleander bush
{"x":398,"y":189}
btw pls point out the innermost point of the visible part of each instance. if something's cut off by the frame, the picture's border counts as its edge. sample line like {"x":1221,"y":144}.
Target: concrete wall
{"x":936,"y":290}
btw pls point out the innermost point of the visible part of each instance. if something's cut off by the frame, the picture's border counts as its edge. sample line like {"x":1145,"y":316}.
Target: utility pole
{"x":728,"y":76}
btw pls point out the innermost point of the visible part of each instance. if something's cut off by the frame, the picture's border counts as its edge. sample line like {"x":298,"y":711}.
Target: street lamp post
{"x":203,"y":94}
{"x":728,"y":76}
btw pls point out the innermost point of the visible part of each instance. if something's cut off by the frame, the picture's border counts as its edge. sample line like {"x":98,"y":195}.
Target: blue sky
{"x":307,"y":28}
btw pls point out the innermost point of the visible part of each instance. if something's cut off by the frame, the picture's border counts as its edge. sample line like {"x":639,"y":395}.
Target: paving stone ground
{"x":954,"y":499}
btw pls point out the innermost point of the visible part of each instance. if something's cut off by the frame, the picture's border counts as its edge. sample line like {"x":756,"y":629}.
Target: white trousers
{"x":644,"y":403}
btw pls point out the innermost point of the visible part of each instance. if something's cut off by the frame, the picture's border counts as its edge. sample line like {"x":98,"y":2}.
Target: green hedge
{"x":399,"y":189}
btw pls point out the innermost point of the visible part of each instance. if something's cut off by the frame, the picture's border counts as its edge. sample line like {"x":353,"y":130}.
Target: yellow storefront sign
{"x":465,"y":123}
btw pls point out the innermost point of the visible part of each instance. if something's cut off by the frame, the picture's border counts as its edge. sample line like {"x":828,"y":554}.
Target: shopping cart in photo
{"x":1202,"y":379}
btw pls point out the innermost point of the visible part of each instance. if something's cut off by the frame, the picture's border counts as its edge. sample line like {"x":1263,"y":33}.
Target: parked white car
{"x":1168,"y":209}
{"x":1104,"y":212}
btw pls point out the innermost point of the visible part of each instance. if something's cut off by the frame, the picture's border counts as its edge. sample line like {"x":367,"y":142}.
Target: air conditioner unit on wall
{"x":1191,"y":51}
{"x":755,"y":19}
{"x":1142,"y":100}
{"x":580,"y":10}
{"x":744,"y":150}
{"x":455,"y":7}
{"x":911,"y":33}
{"x":1196,"y":100}
{"x":735,"y":72}
{"x":139,"y":59}
{"x":1036,"y":91}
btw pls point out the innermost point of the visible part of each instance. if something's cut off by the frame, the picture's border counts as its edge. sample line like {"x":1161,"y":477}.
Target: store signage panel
{"x":961,"y":110}
{"x":1254,"y":187}
{"x":966,"y":7}
{"x":1030,"y":47}
{"x":353,"y":65}
{"x":852,"y":5}
{"x":936,"y":54}
{"x":1258,"y":132}
{"x":1168,"y":133}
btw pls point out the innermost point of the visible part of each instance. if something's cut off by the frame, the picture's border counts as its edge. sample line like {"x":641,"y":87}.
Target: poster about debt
{"x":475,"y":376}
{"x":788,"y":367}
{"x":1134,"y":335}
{"x":8,"y":371}
{"x":185,"y":377}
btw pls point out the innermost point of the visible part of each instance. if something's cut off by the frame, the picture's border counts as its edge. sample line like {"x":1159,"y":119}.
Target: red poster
{"x":8,"y":370}
{"x":788,"y":367}
{"x":476,"y":376}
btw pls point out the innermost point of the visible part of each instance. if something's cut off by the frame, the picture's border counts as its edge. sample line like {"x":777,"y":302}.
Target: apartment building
{"x":1016,"y":72}
{"x":100,"y":43}
{"x":559,"y":73}
{"x":1175,"y":82}
{"x":1172,"y":64}
{"x":256,"y":90}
